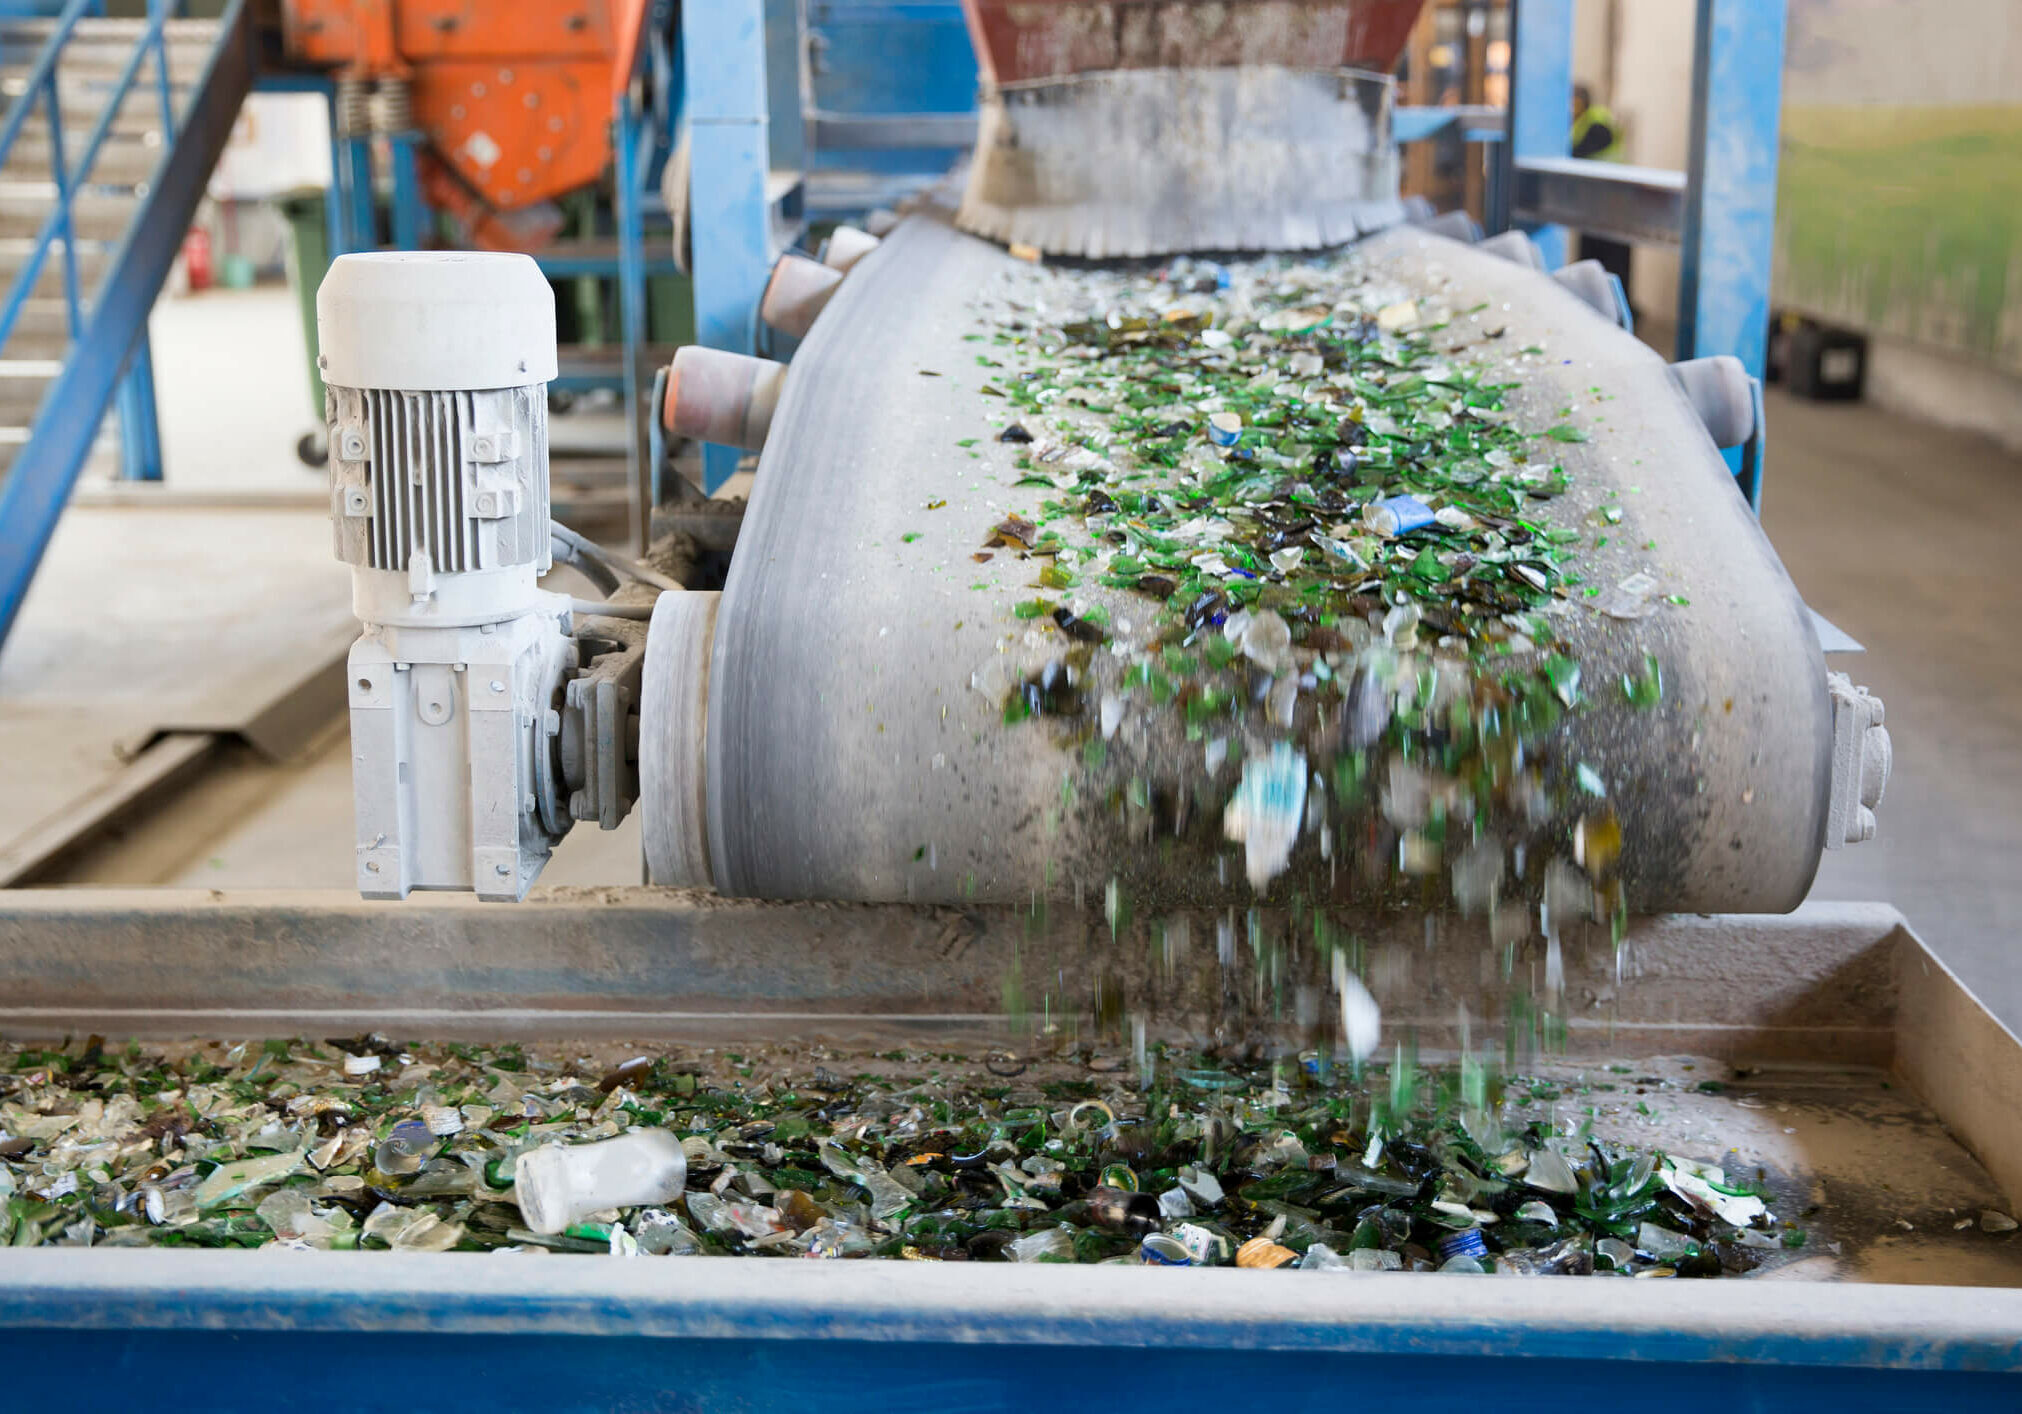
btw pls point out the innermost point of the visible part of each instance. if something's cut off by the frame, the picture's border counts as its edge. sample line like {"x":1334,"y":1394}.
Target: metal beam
{"x":885,"y":132}
{"x":1607,"y":198}
{"x":641,"y":963}
{"x":41,"y":478}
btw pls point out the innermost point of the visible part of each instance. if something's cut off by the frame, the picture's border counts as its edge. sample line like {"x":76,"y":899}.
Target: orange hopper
{"x":514,"y":98}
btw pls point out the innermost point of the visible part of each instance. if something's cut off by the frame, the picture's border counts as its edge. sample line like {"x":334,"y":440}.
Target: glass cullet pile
{"x":806,"y":1152}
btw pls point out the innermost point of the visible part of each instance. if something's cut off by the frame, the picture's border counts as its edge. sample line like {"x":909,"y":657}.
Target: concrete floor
{"x":99,"y":661}
{"x":1903,"y":535}
{"x":1897,"y":532}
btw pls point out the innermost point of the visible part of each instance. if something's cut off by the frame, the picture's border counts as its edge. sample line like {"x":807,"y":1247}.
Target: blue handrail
{"x":44,"y":70}
{"x":41,"y":85}
{"x":59,"y":226}
{"x":161,"y":73}
{"x":36,"y":486}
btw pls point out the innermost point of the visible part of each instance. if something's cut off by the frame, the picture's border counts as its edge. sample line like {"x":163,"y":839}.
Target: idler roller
{"x":1722,"y":396}
{"x":1601,"y":291}
{"x":797,"y":293}
{"x":845,"y":246}
{"x":720,"y":397}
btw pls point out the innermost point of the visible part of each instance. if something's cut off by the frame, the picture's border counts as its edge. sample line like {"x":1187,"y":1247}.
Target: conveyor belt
{"x":849,"y":756}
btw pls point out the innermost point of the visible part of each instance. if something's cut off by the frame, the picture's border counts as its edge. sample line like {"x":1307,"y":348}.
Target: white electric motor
{"x":436,"y":365}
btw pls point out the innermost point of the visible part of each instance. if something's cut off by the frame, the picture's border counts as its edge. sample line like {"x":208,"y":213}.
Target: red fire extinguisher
{"x":197,"y":257}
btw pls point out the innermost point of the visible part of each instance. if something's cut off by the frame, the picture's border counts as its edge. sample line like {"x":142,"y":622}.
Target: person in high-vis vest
{"x":1598,"y":136}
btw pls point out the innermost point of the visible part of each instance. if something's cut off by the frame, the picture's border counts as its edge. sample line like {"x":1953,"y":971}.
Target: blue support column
{"x":1730,"y":191}
{"x":410,"y":209}
{"x":336,"y":228}
{"x":723,"y":54}
{"x":354,"y":193}
{"x":786,"y":132}
{"x":1541,"y":99}
{"x":632,"y":318}
{"x":139,"y":424}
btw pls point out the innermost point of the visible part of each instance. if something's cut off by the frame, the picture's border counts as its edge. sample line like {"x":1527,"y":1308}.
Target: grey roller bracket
{"x":1721,"y":394}
{"x":845,"y":246}
{"x":1454,"y":225}
{"x":1831,"y":637}
{"x":1861,"y":758}
{"x":1516,"y":246}
{"x":1593,"y":284}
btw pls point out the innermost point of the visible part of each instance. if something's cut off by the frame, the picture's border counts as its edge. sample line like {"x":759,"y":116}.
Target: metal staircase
{"x":109,"y":129}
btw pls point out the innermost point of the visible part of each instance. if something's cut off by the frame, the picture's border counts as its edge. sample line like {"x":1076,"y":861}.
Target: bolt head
{"x":497,"y":686}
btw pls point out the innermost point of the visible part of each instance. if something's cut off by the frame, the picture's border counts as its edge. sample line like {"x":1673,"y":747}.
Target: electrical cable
{"x":610,"y":611}
{"x":601,"y":575}
{"x":624,"y":565}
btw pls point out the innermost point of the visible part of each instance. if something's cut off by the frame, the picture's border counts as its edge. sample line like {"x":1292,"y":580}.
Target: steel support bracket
{"x":600,"y":722}
{"x":1608,"y":198}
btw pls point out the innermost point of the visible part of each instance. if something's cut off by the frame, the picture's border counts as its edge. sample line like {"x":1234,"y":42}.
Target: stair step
{"x":139,"y":112}
{"x":124,"y":159}
{"x":94,"y":215}
{"x":81,"y":104}
{"x":92,"y":259}
{"x":103,"y":459}
{"x":23,"y":382}
{"x":106,"y":44}
{"x":41,"y":331}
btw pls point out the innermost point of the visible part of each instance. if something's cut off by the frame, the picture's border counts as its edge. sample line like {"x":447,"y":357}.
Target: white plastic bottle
{"x":559,"y":1185}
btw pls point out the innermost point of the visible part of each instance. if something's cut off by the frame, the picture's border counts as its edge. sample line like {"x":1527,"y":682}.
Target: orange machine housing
{"x":515,"y":97}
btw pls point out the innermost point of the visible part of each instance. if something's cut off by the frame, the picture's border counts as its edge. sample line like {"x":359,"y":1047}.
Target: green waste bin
{"x":308,"y":262}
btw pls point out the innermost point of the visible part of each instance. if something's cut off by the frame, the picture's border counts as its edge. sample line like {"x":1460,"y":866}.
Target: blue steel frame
{"x":732,"y":243}
{"x":342,"y":1330}
{"x":879,"y":63}
{"x":1730,"y":187}
{"x":632,"y":308}
{"x":1540,"y":103}
{"x":1727,"y":234}
{"x":351,"y":188}
{"x":111,"y":343}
